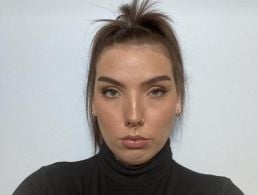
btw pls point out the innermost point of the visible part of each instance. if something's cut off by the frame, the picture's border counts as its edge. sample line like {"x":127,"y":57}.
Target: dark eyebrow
{"x":110,"y":80}
{"x":148,"y":82}
{"x":157,"y":79}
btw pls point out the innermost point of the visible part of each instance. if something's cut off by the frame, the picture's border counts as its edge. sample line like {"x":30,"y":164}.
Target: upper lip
{"x":136,"y":137}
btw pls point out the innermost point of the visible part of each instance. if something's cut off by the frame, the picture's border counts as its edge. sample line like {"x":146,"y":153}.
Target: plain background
{"x":43,"y":65}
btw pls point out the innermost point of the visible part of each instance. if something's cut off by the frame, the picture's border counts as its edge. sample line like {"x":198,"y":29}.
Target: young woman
{"x":135,"y":90}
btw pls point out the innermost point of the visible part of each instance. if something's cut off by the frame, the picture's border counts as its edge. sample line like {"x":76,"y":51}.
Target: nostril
{"x":141,"y":122}
{"x":129,"y":124}
{"x":135,"y":124}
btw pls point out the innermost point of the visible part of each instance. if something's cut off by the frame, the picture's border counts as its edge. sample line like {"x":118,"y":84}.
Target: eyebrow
{"x":147,"y":82}
{"x":110,"y":80}
{"x":157,"y":79}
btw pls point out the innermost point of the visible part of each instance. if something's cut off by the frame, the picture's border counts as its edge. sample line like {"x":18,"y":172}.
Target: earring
{"x":94,"y":116}
{"x":178,"y":114}
{"x":178,"y":110}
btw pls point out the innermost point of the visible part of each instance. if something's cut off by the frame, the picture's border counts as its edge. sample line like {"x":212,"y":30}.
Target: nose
{"x":134,"y":112}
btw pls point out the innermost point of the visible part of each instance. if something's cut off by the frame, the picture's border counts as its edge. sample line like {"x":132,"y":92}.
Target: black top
{"x":103,"y":174}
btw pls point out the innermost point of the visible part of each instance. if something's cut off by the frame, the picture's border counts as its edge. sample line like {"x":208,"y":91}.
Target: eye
{"x":110,"y":93}
{"x":157,"y":92}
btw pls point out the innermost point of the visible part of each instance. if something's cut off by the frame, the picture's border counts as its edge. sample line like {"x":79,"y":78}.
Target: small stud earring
{"x":94,"y":116}
{"x":178,"y":114}
{"x":178,"y":111}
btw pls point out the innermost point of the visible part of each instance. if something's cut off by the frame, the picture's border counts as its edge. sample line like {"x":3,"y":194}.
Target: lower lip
{"x":135,"y":144}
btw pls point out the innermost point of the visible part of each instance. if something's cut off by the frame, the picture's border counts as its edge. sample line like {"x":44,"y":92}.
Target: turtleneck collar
{"x":145,"y":174}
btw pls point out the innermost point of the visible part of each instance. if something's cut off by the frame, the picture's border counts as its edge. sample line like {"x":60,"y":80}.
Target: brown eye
{"x":110,"y":93}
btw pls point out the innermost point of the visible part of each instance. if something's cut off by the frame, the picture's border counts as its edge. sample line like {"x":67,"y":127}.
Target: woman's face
{"x":135,"y":100}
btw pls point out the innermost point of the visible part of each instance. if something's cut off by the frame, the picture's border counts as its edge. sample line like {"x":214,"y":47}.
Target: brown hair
{"x":137,"y":23}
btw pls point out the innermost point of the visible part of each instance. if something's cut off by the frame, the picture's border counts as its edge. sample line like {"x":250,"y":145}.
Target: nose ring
{"x":141,"y":123}
{"x":135,"y":125}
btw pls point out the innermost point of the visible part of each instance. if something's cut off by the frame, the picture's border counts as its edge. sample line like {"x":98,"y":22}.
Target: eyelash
{"x":158,"y":90}
{"x":110,"y":90}
{"x":112,"y":93}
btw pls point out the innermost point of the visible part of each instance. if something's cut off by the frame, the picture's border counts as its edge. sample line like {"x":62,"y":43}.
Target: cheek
{"x":108,"y":116}
{"x":162,"y":116}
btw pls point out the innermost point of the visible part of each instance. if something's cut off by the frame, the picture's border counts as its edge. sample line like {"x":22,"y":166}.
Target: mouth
{"x":135,"y":142}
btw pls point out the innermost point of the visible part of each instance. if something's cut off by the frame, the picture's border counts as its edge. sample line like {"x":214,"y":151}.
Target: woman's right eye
{"x":110,"y":93}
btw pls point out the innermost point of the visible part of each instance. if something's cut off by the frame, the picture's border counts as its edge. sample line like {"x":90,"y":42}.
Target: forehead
{"x":134,"y":59}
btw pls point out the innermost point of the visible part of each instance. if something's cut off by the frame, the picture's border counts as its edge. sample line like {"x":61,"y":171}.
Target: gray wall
{"x":43,"y":63}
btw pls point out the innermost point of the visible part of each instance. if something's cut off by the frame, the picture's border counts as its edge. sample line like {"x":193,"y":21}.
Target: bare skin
{"x":135,"y":100}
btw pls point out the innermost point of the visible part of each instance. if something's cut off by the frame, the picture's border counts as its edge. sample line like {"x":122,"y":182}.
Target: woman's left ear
{"x":178,"y":108}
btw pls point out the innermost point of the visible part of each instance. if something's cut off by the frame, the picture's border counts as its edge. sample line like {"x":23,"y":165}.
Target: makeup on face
{"x":134,"y":84}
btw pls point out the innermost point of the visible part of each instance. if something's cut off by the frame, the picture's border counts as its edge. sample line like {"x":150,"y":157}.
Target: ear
{"x":178,"y":107}
{"x":93,"y":108}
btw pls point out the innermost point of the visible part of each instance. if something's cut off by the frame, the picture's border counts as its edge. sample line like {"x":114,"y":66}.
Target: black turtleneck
{"x":104,"y":175}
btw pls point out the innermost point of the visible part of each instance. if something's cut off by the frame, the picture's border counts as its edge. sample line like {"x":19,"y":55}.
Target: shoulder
{"x":198,"y":183}
{"x":66,"y":168}
{"x":62,"y":171}
{"x":66,"y":176}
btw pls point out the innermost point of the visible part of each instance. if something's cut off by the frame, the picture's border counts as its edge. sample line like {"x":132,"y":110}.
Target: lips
{"x":134,"y":142}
